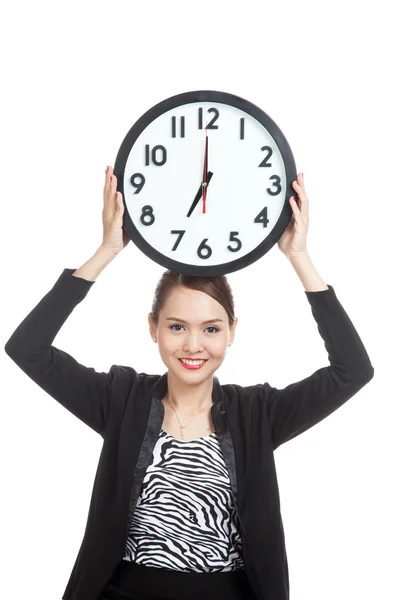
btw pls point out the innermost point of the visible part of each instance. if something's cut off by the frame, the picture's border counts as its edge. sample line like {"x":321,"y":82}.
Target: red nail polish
{"x":111,"y":177}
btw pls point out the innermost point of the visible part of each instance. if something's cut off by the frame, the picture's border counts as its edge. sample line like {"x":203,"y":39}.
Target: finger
{"x":109,"y":193}
{"x":106,"y":190}
{"x":119,"y":202}
{"x":299,"y":183}
{"x":109,"y":174}
{"x":107,"y":178}
{"x":296,"y":210}
{"x":294,"y":205}
{"x":300,"y":189}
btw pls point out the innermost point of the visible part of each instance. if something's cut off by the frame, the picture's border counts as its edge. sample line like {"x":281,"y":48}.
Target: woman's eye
{"x":207,"y":328}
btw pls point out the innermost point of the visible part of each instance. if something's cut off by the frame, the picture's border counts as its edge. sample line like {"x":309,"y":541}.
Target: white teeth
{"x":192,"y":362}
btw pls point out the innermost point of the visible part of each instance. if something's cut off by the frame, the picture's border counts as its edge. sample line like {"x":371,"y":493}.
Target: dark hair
{"x":217,"y":287}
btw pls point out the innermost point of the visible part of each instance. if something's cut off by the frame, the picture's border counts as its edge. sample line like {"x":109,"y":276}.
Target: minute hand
{"x":199,"y":193}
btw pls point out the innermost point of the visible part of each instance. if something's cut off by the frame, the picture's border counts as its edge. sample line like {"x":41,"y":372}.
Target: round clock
{"x":206,"y":178}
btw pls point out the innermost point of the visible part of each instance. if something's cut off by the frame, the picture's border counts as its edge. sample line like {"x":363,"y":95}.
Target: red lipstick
{"x":193,"y":367}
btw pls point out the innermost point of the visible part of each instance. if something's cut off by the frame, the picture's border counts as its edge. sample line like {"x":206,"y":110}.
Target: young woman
{"x":185,"y":502}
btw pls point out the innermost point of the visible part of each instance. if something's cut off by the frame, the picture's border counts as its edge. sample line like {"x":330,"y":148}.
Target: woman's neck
{"x":188,"y":398}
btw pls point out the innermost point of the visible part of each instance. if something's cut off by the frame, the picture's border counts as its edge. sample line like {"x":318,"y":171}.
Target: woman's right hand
{"x":114,"y":237}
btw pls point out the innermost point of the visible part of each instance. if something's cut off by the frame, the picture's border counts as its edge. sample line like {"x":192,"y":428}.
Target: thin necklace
{"x":183,"y":427}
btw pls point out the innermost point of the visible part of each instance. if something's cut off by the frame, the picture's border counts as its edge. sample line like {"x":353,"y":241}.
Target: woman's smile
{"x":192,"y":363}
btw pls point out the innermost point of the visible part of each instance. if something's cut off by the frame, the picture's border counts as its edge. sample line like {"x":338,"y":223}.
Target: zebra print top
{"x":185,"y":519}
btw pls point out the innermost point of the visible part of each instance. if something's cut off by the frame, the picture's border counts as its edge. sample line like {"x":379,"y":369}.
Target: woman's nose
{"x":192,"y":343}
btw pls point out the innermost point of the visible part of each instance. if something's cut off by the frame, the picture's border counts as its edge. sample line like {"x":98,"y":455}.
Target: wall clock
{"x":206,"y":178}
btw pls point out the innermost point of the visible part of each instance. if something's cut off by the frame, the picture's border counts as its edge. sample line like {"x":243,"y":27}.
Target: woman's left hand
{"x":293,"y":240}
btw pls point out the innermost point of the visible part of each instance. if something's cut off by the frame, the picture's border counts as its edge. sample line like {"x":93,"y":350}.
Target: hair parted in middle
{"x":217,"y":287}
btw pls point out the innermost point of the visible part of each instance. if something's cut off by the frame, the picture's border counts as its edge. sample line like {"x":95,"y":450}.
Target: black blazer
{"x":125,"y":408}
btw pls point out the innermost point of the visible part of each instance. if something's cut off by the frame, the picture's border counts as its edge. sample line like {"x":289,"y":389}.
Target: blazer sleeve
{"x":80,"y":389}
{"x":300,"y":405}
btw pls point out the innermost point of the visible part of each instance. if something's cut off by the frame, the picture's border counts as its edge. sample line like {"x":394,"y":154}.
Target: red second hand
{"x":205,"y":174}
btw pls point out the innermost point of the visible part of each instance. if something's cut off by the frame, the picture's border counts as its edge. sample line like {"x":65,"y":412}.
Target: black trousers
{"x":132,"y":581}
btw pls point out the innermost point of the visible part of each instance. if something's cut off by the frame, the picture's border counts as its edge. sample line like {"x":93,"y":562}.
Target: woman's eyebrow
{"x":183,"y":320}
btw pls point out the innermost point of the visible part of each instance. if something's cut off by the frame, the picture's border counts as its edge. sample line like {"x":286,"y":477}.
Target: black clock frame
{"x":290,"y":171}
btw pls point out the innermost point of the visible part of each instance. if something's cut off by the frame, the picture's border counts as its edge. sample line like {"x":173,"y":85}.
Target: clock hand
{"x":199,"y":193}
{"x":205,"y":171}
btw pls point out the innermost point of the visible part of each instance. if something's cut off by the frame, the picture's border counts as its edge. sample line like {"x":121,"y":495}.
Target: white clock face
{"x":164,"y":171}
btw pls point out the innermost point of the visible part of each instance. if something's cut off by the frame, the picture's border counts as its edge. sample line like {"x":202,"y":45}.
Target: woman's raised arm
{"x":80,"y":389}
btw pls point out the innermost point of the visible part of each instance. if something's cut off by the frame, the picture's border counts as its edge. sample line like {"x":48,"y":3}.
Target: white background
{"x":75,"y":77}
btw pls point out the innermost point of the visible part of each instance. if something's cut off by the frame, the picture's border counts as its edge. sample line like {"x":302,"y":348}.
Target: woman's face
{"x":192,"y":325}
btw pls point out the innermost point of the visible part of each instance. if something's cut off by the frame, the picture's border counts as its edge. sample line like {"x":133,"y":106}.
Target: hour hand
{"x":199,"y":193}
